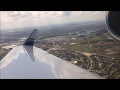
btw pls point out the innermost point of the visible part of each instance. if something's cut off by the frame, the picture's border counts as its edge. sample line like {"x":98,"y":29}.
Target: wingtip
{"x":31,"y":38}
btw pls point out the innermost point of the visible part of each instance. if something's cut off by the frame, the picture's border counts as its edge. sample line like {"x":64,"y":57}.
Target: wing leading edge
{"x":27,"y":61}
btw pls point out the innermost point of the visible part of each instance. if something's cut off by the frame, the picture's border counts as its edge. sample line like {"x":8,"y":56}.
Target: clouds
{"x":67,"y":13}
{"x":13,"y":19}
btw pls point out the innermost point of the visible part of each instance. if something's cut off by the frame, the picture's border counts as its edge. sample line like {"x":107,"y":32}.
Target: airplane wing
{"x":29,"y":62}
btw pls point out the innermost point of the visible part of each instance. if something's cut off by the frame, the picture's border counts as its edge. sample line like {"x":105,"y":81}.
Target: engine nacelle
{"x":113,"y":23}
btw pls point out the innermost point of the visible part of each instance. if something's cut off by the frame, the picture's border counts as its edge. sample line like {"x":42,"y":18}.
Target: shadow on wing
{"x":29,"y":51}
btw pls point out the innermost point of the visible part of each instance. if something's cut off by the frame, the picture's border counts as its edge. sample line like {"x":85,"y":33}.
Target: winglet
{"x":31,"y":38}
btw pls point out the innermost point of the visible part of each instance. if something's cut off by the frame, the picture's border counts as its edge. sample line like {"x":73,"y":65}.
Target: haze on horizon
{"x":19,"y":19}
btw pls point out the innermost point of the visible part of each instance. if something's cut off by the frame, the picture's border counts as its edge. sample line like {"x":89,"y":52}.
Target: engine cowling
{"x":113,"y":23}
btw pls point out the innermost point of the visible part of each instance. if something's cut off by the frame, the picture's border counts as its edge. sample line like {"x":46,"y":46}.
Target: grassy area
{"x":96,"y":45}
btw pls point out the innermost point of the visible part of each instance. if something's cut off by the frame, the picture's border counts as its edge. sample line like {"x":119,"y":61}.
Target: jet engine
{"x":113,"y":23}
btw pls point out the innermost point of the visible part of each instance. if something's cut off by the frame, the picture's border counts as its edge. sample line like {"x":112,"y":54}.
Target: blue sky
{"x":17,"y":19}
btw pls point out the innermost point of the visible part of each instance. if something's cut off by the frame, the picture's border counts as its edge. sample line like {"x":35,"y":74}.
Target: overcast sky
{"x":17,"y":19}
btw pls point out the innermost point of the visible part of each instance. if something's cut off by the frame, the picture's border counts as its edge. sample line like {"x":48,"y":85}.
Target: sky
{"x":18,"y":19}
